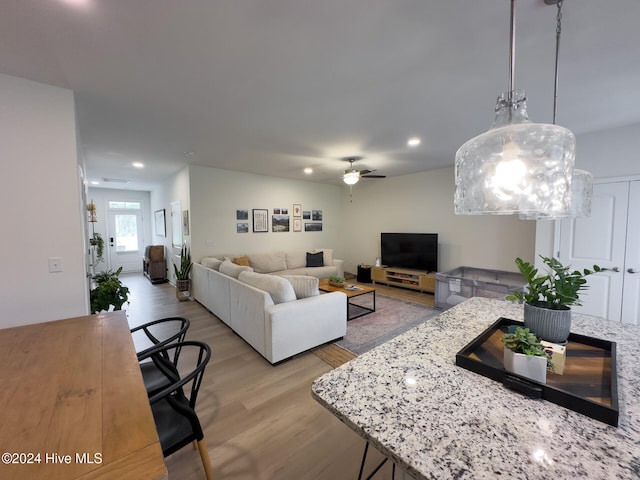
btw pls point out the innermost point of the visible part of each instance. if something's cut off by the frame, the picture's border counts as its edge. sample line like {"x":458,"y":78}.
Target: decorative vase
{"x":336,"y":284}
{"x":183,"y":290}
{"x":528,"y":366}
{"x":551,"y":325}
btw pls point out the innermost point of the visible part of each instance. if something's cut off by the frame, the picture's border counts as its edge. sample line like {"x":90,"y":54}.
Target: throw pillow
{"x":328,"y":255}
{"x":315,"y":259}
{"x":211,"y":262}
{"x":268,"y":262}
{"x":242,"y":261}
{"x":296,"y":259}
{"x":281,"y":290}
{"x":233,"y":270}
{"x":303,"y":285}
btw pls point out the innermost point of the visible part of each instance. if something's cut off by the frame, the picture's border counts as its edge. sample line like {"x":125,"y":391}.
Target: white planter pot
{"x":527,"y":366}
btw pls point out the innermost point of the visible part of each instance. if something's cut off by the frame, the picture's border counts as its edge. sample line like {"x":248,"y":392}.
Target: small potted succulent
{"x":524,"y":355}
{"x":336,"y":280}
{"x":548,"y":298}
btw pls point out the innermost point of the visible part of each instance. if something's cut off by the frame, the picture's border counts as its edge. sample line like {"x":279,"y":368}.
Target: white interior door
{"x":125,"y":240}
{"x":631,"y":291}
{"x":599,"y":239}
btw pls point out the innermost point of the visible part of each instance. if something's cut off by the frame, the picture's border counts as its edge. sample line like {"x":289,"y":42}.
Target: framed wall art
{"x":297,"y":224}
{"x":260,"y":220}
{"x":161,"y":226}
{"x":280,"y":223}
{"x":297,"y":210}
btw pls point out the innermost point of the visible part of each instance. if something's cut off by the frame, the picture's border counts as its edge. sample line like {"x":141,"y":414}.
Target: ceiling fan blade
{"x":365,"y":172}
{"x":373,"y":176}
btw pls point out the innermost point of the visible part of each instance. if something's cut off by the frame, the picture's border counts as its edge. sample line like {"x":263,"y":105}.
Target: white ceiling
{"x":273,"y":86}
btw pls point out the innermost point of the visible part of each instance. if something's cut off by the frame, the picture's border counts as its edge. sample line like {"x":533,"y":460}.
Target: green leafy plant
{"x":98,"y":241}
{"x":557,"y":290}
{"x":109,"y":290}
{"x":523,"y":341}
{"x":183,"y":272}
{"x":336,"y":279}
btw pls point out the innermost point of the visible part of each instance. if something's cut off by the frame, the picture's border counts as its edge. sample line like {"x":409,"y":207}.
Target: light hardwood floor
{"x":260,"y":421}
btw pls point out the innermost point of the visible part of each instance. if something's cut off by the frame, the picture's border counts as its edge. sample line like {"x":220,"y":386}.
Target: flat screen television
{"x":415,"y":251}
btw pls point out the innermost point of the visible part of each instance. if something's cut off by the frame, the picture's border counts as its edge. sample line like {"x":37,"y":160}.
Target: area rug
{"x":391,"y":318}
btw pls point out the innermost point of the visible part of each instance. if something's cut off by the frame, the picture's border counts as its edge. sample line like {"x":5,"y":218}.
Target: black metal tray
{"x":588,"y":385}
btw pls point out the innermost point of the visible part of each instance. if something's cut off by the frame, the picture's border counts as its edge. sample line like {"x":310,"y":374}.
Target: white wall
{"x":101,"y":198}
{"x":423,"y":203}
{"x":43,"y":214}
{"x":217,"y":194}
{"x":176,"y":188}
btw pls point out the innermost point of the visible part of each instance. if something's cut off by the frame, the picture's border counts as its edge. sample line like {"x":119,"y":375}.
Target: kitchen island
{"x":434,"y":419}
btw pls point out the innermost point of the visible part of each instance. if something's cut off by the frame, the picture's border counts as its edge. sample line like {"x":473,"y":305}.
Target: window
{"x":126,"y":232}
{"x":125,"y":205}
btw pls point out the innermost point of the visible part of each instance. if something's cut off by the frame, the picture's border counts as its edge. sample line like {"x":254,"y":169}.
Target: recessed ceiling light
{"x":138,"y":164}
{"x":308,"y":170}
{"x":414,"y":142}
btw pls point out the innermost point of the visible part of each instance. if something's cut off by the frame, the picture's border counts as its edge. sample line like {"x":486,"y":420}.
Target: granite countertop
{"x":437,"y":420}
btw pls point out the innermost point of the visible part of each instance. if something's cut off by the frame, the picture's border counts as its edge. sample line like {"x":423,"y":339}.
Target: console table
{"x":73,"y":403}
{"x":434,"y":419}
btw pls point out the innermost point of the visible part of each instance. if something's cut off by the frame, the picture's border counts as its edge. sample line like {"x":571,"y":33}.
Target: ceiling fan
{"x":352,"y":176}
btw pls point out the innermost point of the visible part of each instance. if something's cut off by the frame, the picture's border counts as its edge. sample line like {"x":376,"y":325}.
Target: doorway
{"x":125,"y":238}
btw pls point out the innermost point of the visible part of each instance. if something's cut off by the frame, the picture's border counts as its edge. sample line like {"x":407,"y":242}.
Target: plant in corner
{"x":109,"y":290}
{"x":183,"y":283}
{"x":548,"y":298}
{"x":525,"y":355}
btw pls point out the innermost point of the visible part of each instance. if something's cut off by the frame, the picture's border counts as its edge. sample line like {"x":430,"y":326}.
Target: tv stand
{"x":405,"y":278}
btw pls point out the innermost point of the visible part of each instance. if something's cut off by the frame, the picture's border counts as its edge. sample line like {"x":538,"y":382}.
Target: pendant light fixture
{"x":581,"y":181}
{"x":517,"y":167}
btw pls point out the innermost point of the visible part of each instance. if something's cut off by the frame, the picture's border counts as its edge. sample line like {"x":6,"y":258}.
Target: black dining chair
{"x":157,"y":334}
{"x":174,"y":406}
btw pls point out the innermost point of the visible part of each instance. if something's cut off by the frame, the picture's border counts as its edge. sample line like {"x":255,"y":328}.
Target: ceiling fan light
{"x":351,"y":177}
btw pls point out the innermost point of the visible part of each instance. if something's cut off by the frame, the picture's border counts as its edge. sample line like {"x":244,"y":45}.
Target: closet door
{"x":599,"y":239}
{"x":631,"y":292}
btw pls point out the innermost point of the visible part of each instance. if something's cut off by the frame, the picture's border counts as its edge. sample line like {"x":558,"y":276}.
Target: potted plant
{"x":97,"y":241}
{"x":109,"y":291}
{"x":336,"y":280}
{"x":548,"y":298}
{"x":525,"y":355}
{"x":183,"y":283}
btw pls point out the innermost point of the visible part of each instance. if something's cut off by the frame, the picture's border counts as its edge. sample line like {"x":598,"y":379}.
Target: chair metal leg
{"x":206,"y":462}
{"x":364,"y":459}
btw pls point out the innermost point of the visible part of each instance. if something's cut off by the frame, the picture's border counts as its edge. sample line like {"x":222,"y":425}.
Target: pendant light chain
{"x":558,"y":33}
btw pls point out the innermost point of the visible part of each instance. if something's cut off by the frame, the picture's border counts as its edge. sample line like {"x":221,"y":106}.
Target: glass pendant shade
{"x":581,"y":194}
{"x":517,"y":167}
{"x":351,"y":177}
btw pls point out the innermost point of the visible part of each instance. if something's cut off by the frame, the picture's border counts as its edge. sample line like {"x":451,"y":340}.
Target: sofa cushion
{"x":296,"y":259}
{"x":268,"y":262}
{"x":303,"y":285}
{"x":315,"y":259}
{"x":281,"y":290}
{"x":233,"y":270}
{"x":242,"y":261}
{"x":211,"y":262}
{"x":328,"y":255}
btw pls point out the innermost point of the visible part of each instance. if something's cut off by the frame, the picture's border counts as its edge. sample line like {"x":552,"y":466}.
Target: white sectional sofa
{"x":278,"y":315}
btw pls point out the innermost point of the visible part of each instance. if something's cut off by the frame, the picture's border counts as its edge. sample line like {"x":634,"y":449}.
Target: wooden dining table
{"x":73,"y":404}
